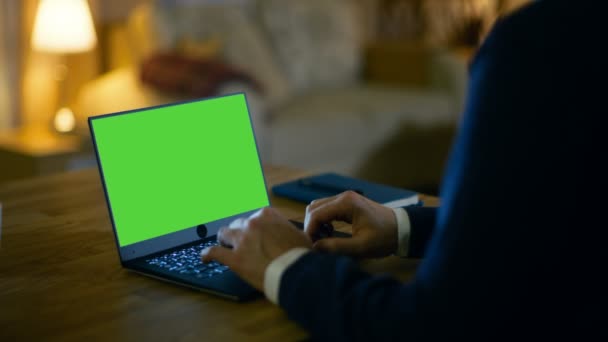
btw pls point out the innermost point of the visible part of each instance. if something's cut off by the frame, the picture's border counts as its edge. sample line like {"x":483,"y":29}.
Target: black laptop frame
{"x":132,"y":256}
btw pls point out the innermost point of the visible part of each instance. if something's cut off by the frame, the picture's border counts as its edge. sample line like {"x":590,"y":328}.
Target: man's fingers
{"x":318,"y":202}
{"x":349,"y":246}
{"x":229,"y":236}
{"x":220,"y":254}
{"x":314,"y":218}
{"x":238,"y":223}
{"x":313,"y":206}
{"x":339,"y":208}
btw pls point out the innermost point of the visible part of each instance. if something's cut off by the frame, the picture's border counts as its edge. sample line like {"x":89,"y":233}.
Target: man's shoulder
{"x":541,"y":29}
{"x":527,"y":23}
{"x":546,"y":18}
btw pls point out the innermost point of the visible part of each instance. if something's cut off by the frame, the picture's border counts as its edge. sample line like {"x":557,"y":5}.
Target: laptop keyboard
{"x":187,"y":261}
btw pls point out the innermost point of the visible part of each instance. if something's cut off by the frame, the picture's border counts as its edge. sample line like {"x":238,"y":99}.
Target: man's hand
{"x":255,"y":242}
{"x":374,"y":225}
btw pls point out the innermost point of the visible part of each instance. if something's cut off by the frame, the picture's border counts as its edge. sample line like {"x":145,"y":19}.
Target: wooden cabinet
{"x":29,"y":152}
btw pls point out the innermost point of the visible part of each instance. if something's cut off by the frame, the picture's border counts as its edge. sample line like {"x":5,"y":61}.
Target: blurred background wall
{"x":370,"y":88}
{"x":9,"y":62}
{"x":441,"y":21}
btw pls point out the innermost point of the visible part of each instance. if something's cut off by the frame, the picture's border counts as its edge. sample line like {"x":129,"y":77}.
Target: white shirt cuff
{"x":276,"y":268}
{"x":403,"y":231}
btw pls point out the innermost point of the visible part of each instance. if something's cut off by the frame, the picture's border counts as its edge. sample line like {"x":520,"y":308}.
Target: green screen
{"x":175,"y":167}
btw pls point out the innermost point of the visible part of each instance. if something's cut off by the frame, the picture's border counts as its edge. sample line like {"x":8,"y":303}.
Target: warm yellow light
{"x":64,"y":120}
{"x":63,"y":26}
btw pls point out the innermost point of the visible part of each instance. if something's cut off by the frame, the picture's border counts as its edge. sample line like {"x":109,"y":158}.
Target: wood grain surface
{"x":60,"y":277}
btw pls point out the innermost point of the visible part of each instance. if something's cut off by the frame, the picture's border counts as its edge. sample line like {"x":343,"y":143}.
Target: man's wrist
{"x":274,"y":271}
{"x":403,"y":232}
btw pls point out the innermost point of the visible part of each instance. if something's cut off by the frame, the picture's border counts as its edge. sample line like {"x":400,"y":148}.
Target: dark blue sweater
{"x":517,"y":249}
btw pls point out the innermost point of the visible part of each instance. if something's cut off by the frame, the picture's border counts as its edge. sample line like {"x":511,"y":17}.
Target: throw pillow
{"x":190,"y":77}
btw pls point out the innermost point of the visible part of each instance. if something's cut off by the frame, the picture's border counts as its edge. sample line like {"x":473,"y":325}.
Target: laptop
{"x":172,"y":176}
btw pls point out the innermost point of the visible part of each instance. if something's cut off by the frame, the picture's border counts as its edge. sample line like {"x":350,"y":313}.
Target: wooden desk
{"x":60,"y":278}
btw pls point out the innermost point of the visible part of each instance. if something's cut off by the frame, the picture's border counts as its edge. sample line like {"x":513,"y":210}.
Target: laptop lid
{"x":169,"y":169}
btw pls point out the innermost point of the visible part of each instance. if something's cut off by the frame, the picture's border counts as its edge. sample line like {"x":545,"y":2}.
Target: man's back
{"x":518,"y":189}
{"x":518,"y":243}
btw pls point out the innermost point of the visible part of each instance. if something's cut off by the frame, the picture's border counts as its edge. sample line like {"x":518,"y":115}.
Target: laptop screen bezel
{"x":181,"y":237}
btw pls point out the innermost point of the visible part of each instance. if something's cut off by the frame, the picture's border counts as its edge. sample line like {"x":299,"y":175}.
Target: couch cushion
{"x":317,"y":41}
{"x":378,"y":103}
{"x":336,"y":129}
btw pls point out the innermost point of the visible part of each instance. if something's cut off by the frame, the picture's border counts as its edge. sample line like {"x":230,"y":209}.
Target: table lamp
{"x":63,"y":27}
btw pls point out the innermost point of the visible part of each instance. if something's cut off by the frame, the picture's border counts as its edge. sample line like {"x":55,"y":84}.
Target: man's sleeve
{"x":422,"y":223}
{"x":334,"y":300}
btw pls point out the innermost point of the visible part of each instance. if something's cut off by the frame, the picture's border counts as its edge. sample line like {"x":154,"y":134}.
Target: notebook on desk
{"x":172,"y":176}
{"x":310,"y":188}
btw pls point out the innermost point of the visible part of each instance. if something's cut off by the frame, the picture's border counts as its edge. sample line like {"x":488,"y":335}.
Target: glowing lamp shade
{"x":63,"y":26}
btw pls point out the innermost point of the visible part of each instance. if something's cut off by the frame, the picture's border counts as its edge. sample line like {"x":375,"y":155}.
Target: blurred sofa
{"x":315,"y":110}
